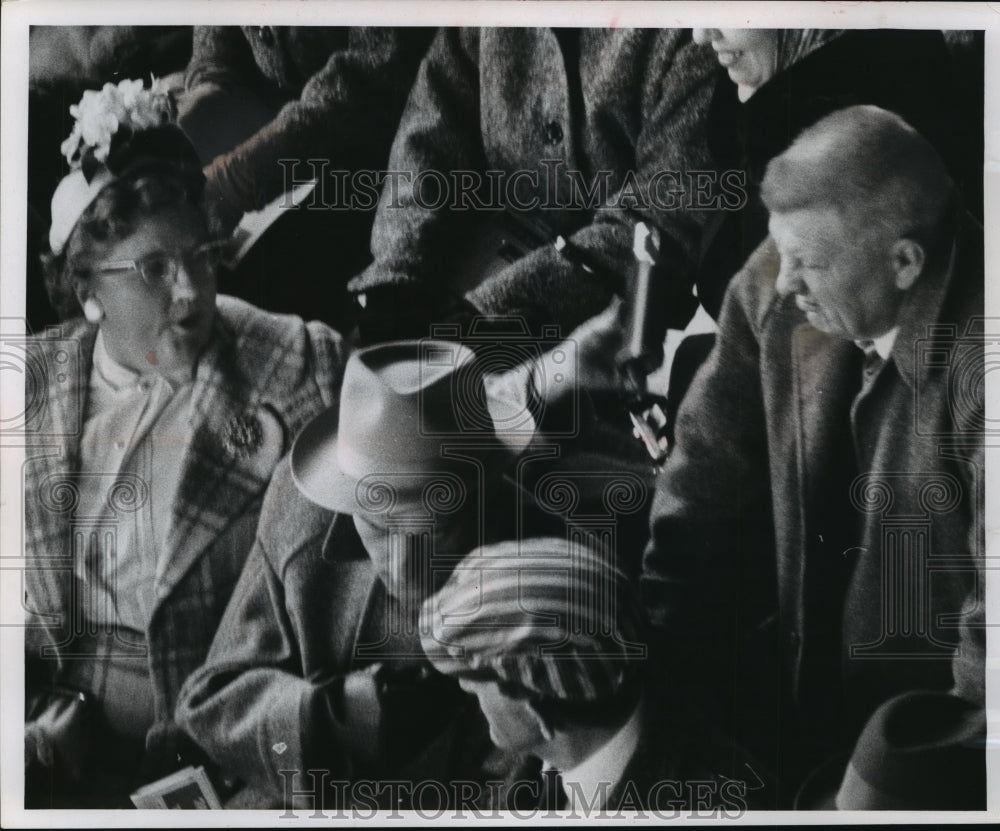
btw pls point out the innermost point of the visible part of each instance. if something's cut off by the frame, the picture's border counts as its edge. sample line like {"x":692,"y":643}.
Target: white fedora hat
{"x":400,"y":403}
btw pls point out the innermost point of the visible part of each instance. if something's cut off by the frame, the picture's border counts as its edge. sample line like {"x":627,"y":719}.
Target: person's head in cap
{"x":546,"y":634}
{"x":407,"y":453}
{"x":131,"y":247}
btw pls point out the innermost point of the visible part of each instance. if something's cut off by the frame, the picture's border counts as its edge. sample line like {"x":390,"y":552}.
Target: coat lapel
{"x":236,"y":443}
{"x":827,"y":377}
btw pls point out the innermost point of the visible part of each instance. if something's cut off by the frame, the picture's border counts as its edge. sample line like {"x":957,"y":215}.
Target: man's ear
{"x":908,"y":258}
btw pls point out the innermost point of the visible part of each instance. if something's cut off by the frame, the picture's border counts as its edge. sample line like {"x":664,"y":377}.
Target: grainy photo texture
{"x":535,"y":423}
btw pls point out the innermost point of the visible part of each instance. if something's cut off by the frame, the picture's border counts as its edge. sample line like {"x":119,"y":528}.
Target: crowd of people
{"x":373,"y":510}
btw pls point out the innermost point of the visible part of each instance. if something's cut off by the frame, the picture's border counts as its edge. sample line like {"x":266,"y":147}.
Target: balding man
{"x":817,"y":532}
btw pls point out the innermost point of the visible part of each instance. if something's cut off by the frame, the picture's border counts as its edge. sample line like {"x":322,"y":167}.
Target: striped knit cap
{"x":555,"y":617}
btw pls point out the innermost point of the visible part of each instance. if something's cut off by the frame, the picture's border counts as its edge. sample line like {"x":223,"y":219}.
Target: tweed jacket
{"x":314,"y":667}
{"x":260,"y":370}
{"x":506,"y":100}
{"x":340,"y":91}
{"x":821,"y":523}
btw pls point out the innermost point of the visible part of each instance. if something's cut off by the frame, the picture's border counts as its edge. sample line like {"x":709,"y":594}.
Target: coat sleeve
{"x":711,"y":549}
{"x":219,"y":55}
{"x":544,"y":287}
{"x":347,"y":113}
{"x":250,"y":706}
{"x":439,"y":131}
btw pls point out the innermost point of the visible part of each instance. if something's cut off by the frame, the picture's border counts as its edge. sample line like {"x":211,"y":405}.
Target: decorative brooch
{"x":243,"y":436}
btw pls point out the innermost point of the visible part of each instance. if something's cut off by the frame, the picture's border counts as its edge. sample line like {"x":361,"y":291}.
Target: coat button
{"x":553,"y":133}
{"x":794,"y":639}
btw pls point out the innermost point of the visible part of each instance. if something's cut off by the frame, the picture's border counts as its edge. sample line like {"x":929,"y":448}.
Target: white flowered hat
{"x":118,"y":128}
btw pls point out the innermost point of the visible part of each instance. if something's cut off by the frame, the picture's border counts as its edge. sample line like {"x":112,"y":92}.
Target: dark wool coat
{"x":681,"y":767}
{"x":277,"y":369}
{"x":819,"y":540}
{"x":632,"y":104}
{"x":340,"y":91}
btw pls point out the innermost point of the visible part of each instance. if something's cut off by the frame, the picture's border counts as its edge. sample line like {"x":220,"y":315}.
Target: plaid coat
{"x":272,"y":370}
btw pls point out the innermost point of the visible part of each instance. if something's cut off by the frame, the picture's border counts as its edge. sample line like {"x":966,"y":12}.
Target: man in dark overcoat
{"x":817,"y":535}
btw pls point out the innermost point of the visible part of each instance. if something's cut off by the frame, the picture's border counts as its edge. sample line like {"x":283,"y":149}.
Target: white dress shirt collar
{"x":605,"y":766}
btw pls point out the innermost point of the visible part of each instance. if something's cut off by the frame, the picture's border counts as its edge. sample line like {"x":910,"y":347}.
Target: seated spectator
{"x":546,"y":634}
{"x":161,"y":415}
{"x":572,"y":127}
{"x":317,"y":663}
{"x":269,"y":107}
{"x":800,"y":572}
{"x":319,"y":652}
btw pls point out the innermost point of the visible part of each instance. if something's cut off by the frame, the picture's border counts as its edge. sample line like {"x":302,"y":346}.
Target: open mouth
{"x":188,"y":323}
{"x":805,"y":304}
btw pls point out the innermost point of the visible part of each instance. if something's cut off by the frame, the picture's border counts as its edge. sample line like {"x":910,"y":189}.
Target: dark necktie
{"x":872,"y":363}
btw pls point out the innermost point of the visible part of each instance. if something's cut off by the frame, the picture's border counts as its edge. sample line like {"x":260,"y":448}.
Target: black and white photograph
{"x":476,"y":412}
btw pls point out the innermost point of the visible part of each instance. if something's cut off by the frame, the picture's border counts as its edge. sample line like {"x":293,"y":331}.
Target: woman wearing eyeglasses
{"x":156,"y":418}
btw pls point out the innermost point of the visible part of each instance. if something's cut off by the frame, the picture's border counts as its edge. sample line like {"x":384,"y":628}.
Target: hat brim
{"x":819,"y":791}
{"x":320,"y":478}
{"x":318,"y":475}
{"x":314,"y":466}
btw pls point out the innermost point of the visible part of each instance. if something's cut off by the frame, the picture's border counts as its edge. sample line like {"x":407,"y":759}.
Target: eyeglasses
{"x":160,"y":268}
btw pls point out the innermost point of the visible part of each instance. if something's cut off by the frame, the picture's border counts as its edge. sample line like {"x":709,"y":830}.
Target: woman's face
{"x":161,"y":327}
{"x":749,"y":55}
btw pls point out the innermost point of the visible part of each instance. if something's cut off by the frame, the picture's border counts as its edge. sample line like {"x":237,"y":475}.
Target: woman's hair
{"x":115,"y":214}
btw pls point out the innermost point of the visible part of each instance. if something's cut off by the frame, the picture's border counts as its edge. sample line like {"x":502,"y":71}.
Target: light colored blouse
{"x":135,"y":434}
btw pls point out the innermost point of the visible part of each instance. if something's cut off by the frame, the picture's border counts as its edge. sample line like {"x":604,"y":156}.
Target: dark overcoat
{"x":817,"y":535}
{"x":613,"y":109}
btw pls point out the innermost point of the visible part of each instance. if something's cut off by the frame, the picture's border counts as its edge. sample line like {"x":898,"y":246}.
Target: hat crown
{"x":401,"y":404}
{"x":400,"y":400}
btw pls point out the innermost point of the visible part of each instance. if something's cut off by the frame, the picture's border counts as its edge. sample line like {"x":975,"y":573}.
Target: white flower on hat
{"x":101,"y":114}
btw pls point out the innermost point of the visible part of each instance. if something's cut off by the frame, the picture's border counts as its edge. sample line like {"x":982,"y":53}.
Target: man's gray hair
{"x":869,"y":165}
